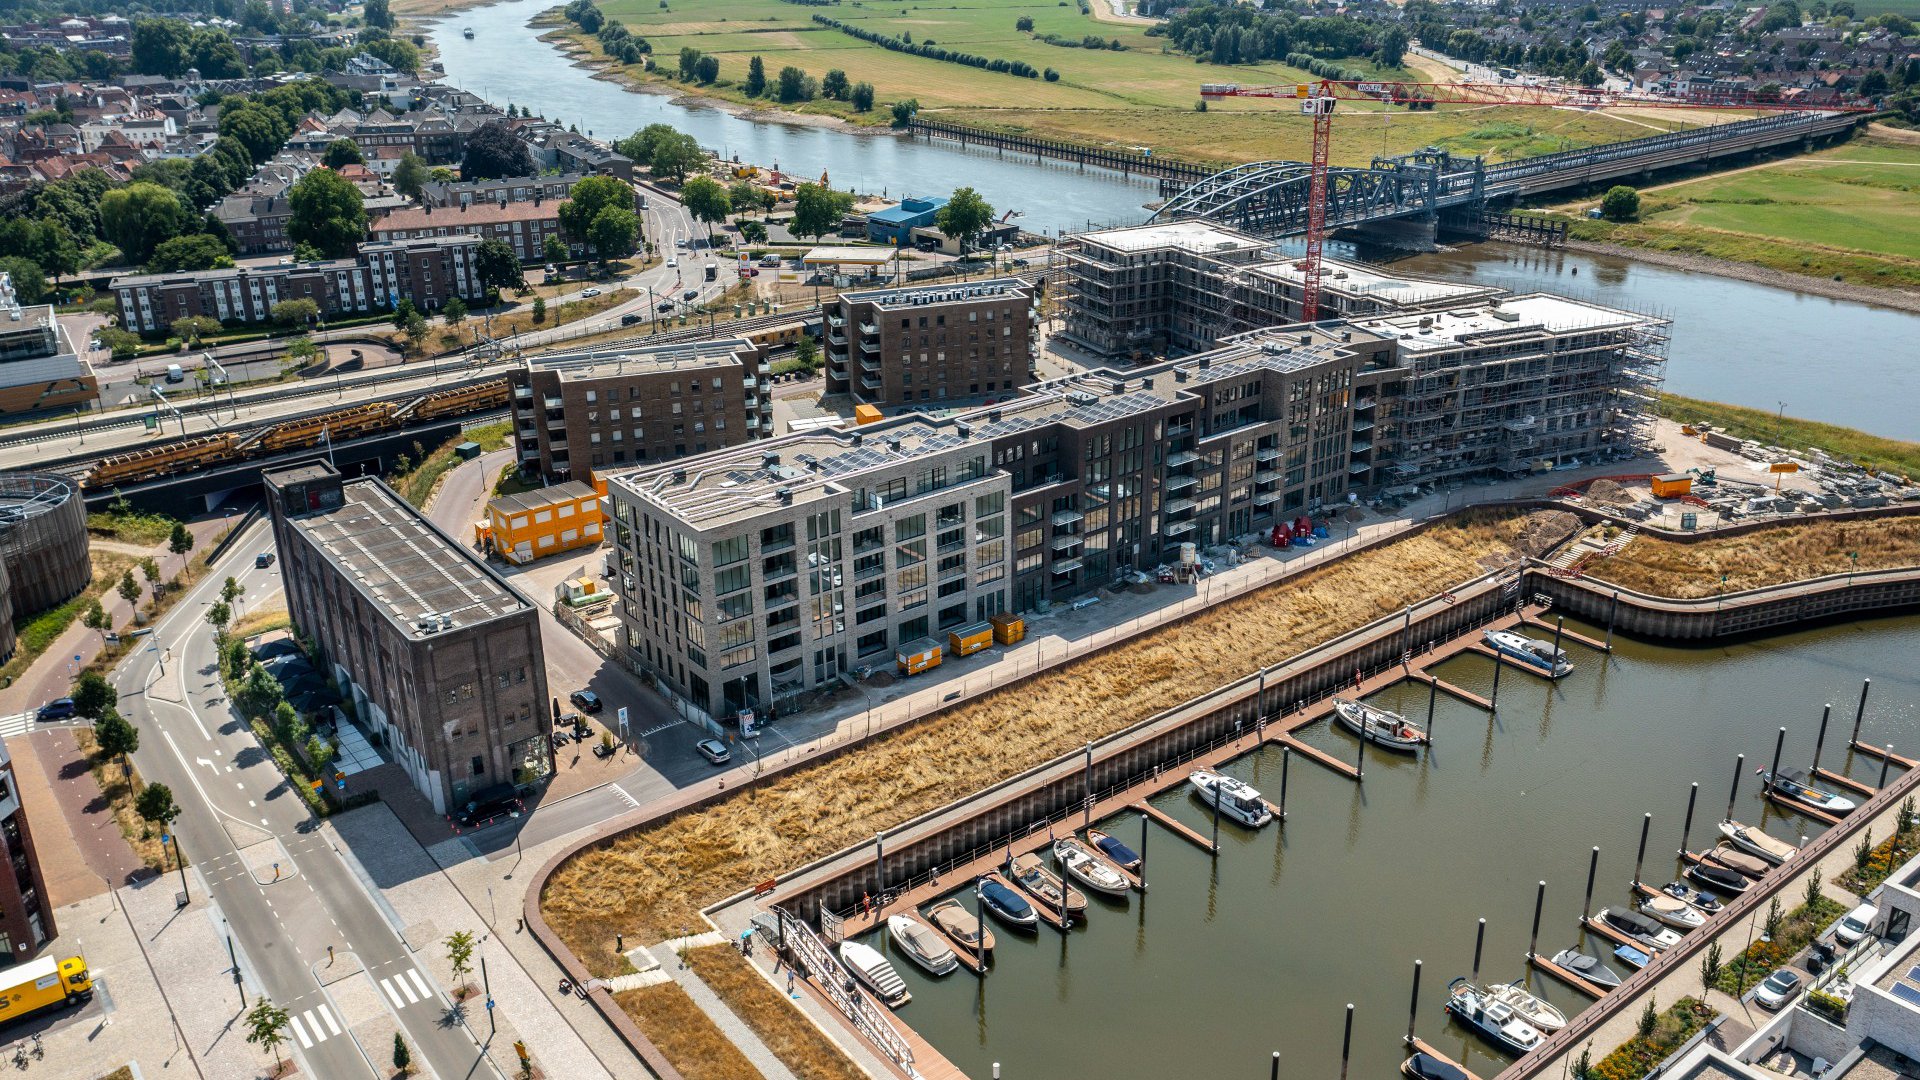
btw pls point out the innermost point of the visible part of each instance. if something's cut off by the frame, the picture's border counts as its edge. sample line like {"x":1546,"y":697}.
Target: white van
{"x":175,"y":373}
{"x":1855,"y":924}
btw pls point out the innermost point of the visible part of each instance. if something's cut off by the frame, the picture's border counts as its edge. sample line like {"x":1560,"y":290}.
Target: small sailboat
{"x":1494,"y":1021}
{"x":871,"y":968}
{"x":1235,"y":800}
{"x":1007,"y":906}
{"x":1114,"y":851}
{"x":1715,"y":876}
{"x":1030,"y":872}
{"x":1378,"y":726}
{"x":953,"y":918}
{"x":1539,"y":655}
{"x":1587,"y":967}
{"x":921,"y":944}
{"x":1793,"y":784}
{"x":1089,"y":869}
{"x":1748,"y":866}
{"x":1750,"y":838}
{"x":1705,"y":903}
{"x":1531,"y":1009}
{"x":1641,"y":929}
{"x":1673,"y":911}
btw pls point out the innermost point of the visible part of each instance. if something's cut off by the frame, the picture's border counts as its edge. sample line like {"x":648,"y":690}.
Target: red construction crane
{"x":1317,"y":99}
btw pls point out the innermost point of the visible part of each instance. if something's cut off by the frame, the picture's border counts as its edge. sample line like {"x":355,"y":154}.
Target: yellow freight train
{"x":150,"y":462}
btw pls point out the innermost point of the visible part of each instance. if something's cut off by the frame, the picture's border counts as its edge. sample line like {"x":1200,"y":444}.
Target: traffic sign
{"x":318,"y":784}
{"x":489,"y":1003}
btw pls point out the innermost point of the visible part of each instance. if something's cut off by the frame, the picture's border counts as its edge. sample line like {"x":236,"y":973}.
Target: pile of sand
{"x":1544,"y":530}
{"x":1607,"y":491}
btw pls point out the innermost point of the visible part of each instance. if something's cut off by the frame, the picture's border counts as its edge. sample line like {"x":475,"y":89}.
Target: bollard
{"x":1686,"y":829}
{"x":1593,"y":867}
{"x":1413,"y":1006}
{"x":1820,"y":740}
{"x":1646,"y":825}
{"x":1739,"y":766}
{"x":1539,"y":903}
{"x":1860,"y":710}
{"x":1479,"y":939}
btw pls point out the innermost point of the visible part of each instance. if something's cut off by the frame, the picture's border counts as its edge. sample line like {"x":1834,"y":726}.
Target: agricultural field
{"x":1786,"y":552}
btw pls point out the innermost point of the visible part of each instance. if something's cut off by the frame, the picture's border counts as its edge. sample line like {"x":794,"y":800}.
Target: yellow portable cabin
{"x":45,"y":983}
{"x":970,"y":639}
{"x":917,"y":656}
{"x":1672,"y":485}
{"x":1008,"y":628}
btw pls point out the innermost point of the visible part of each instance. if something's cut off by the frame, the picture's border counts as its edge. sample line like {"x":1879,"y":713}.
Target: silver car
{"x":714,"y":751}
{"x":1779,"y":988}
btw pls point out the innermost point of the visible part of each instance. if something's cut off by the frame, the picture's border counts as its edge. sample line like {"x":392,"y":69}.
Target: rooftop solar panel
{"x":1906,"y":993}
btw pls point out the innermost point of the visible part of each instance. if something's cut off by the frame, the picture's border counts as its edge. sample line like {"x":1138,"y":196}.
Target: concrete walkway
{"x":730,"y":1024}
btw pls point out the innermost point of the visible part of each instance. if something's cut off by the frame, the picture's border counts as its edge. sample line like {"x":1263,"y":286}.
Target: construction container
{"x":866,"y":414}
{"x":971,"y":638}
{"x":467,"y":451}
{"x":1008,"y":628}
{"x":1672,"y":485}
{"x":917,"y":656}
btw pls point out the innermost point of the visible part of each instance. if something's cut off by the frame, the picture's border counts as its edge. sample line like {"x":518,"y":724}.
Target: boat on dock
{"x":1030,"y":872}
{"x":1673,"y":911}
{"x":1531,"y":1009}
{"x":1089,"y":869}
{"x":1007,"y":906}
{"x":1114,"y":851}
{"x":1703,"y":902}
{"x":871,"y":968}
{"x":1792,"y":785}
{"x":954,"y":920}
{"x":1234,"y":799}
{"x":922,"y":944}
{"x":1378,"y":726}
{"x":1751,"y":839}
{"x":1587,"y":967}
{"x":1539,"y":655}
{"x":1640,"y":928}
{"x":1715,"y":876}
{"x":1494,"y":1021}
{"x":1748,"y":866}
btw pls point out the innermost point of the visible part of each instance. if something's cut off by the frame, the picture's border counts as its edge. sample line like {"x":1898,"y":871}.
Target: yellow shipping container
{"x":970,"y":639}
{"x":1008,"y":628}
{"x":917,"y":656}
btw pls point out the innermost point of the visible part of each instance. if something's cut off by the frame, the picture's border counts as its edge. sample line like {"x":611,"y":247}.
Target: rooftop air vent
{"x":679,"y":476}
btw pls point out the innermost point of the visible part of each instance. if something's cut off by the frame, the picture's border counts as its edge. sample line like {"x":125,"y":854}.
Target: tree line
{"x":1227,"y":33}
{"x":615,"y":39}
{"x":929,"y":49}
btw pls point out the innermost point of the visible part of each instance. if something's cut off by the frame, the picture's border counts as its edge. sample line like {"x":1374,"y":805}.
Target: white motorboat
{"x":1539,"y":655}
{"x":1234,"y":799}
{"x":1750,"y":838}
{"x":1725,"y":854}
{"x":467,"y":33}
{"x":1378,"y":726}
{"x":1531,"y":1009}
{"x":1793,"y":785}
{"x":871,"y":968}
{"x":922,"y":944}
{"x":953,"y":918}
{"x":1704,"y":903}
{"x":1587,"y":967}
{"x":1495,"y":1021}
{"x":1641,"y":929}
{"x":1673,"y":911}
{"x":1089,"y":869}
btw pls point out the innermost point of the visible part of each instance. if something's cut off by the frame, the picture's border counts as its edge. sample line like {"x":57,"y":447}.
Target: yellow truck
{"x":45,"y":983}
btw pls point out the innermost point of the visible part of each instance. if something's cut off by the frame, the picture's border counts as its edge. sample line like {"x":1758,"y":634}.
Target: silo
{"x":43,"y":540}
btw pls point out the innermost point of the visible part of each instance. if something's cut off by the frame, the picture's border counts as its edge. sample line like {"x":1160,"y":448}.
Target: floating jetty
{"x":1423,"y":1047}
{"x":1591,"y":989}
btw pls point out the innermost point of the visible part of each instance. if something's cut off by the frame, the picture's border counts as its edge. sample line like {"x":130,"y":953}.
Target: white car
{"x":591,"y":292}
{"x":1779,"y":988}
{"x":673,"y":262}
{"x":1855,"y":924}
{"x":713,"y":750}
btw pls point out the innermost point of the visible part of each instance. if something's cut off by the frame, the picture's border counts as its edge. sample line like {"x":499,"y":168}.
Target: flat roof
{"x":849,"y":254}
{"x":1358,"y":280}
{"x":1190,"y":234}
{"x":942,"y":293}
{"x":643,"y":359}
{"x":1531,"y":315}
{"x":393,"y":556}
{"x":543,"y":498}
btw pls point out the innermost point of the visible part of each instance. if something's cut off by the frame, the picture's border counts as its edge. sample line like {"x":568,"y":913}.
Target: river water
{"x":1224,"y":962}
{"x":1732,"y":340}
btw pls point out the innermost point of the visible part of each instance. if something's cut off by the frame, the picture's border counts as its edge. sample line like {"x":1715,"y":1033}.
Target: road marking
{"x":392,"y":994}
{"x":327,"y":1015}
{"x":294,"y":1022}
{"x":250,"y":804}
{"x":630,"y":801}
{"x":414,"y":973}
{"x":204,"y":737}
{"x":203,"y":761}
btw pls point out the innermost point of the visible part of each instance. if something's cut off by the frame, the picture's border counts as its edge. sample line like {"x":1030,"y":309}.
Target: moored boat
{"x":1641,"y":929}
{"x":1030,"y":872}
{"x":871,"y":968}
{"x":1632,"y":957}
{"x":922,"y":945}
{"x":1748,"y":866}
{"x":467,"y":33}
{"x":1673,"y":911}
{"x":1715,"y":876}
{"x":1705,"y":903}
{"x":1531,"y":1009}
{"x":1494,"y":1021}
{"x":1089,"y":869}
{"x":1007,"y":906}
{"x":1793,"y":785}
{"x":1378,"y":726}
{"x":953,"y":919}
{"x":1539,"y":655}
{"x":1751,"y":839}
{"x":1587,"y":967}
{"x":1114,"y":851}
{"x":1235,"y":800}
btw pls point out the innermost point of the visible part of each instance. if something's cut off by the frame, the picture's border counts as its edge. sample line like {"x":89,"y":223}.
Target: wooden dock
{"x":1565,"y":635}
{"x":1052,"y":916}
{"x":1591,"y":989}
{"x":1884,"y":754}
{"x":1798,"y":807}
{"x":1344,"y":768}
{"x":1177,"y":828}
{"x":1847,"y":782}
{"x":1449,"y":689}
{"x":1423,"y":1047}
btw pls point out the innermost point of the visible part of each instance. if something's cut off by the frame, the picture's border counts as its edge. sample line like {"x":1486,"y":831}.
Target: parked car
{"x":632,"y":317}
{"x":586,"y":701}
{"x":590,"y":292}
{"x":489,"y":806}
{"x":263,"y":560}
{"x":1777,"y":990}
{"x":1855,"y":924}
{"x":57,"y":709}
{"x":714,"y":751}
{"x":689,"y":295}
{"x":664,"y":305}
{"x":672,"y":261}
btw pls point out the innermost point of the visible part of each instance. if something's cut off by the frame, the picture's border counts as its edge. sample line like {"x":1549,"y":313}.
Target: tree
{"x":410,"y":176}
{"x":707,"y":201}
{"x":460,"y":956}
{"x":588,"y":198}
{"x":753,"y":232}
{"x":455,"y":312}
{"x":139,"y":217}
{"x":319,"y":753}
{"x":302,"y":350}
{"x":756,"y":77}
{"x":554,"y":250}
{"x":327,"y":212}
{"x":294,"y":312}
{"x":539,"y":309}
{"x":1873,"y":83}
{"x":150,"y":569}
{"x":93,"y":696}
{"x":965,"y":216}
{"x":117,"y":738}
{"x":416,"y":330}
{"x":1649,"y":1020}
{"x":904,"y":111}
{"x":807,"y":353}
{"x":1710,"y":966}
{"x":29,"y":284}
{"x":198,"y":251}
{"x":817,"y":210}
{"x":402,"y":1058}
{"x":834,"y":84}
{"x":1024,"y":24}
{"x":495,"y":151}
{"x":862,"y":97}
{"x":675,"y":155}
{"x":230,"y":590}
{"x":258,"y":128}
{"x":162,"y":47}
{"x":1620,"y":203}
{"x":377,"y":13}
{"x":1775,"y":919}
{"x":121,"y":344}
{"x":218,"y":616}
{"x":614,"y":233}
{"x":402,"y":312}
{"x":796,"y":85}
{"x":156,"y":805}
{"x":1392,"y":47}
{"x":267,"y":1028}
{"x":497,"y":266}
{"x":341,"y":153}
{"x":180,"y":539}
{"x":96,"y":617}
{"x":194,"y":327}
{"x":129,"y":589}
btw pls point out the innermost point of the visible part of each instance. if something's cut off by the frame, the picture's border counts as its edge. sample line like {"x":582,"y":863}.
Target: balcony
{"x":1362,"y":404}
{"x":1360,"y":447}
{"x":551,"y":403}
{"x":1266,"y":498}
{"x":1182,"y":459}
{"x":752,"y":402}
{"x":1064,"y":541}
{"x":1067,"y":566}
{"x":871,"y":383}
{"x":835,"y":321}
{"x":1269,"y":453}
{"x":1062,"y":518}
{"x":870,"y":365}
{"x":523,"y":393}
{"x":1177,"y":483}
{"x":1358,"y":467}
{"x":869,"y":328}
{"x":1183,"y":427}
{"x":1175,"y":528}
{"x":1524,"y":423}
{"x":1180,"y":506}
{"x":1360,"y":425}
{"x":870,"y":347}
{"x":1266,"y":476}
{"x":836,"y":339}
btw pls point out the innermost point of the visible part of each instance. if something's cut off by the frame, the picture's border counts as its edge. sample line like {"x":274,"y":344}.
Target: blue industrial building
{"x":895,"y":224}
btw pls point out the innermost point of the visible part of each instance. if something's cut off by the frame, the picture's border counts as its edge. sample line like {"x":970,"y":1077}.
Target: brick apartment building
{"x":26,"y":918}
{"x":931,"y":343}
{"x":506,"y":189}
{"x":525,"y":225}
{"x":575,"y":414}
{"x":441,"y":658}
{"x":428,"y":272}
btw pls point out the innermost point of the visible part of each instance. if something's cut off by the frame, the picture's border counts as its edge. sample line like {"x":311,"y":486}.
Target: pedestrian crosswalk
{"x":313,"y":1025}
{"x":406,"y":988}
{"x":18,"y":724}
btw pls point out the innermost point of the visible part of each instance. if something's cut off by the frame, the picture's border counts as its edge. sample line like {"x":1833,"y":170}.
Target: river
{"x":1733,"y":341}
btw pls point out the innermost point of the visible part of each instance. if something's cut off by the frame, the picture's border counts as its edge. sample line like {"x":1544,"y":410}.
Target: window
{"x":730,"y":551}
{"x":732,"y":579}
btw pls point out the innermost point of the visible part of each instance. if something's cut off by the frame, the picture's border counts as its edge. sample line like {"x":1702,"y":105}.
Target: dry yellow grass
{"x":653,"y":881}
{"x":684,"y":1033}
{"x":260,"y":622}
{"x":1792,"y":551}
{"x":791,"y":1037}
{"x":121,"y":790}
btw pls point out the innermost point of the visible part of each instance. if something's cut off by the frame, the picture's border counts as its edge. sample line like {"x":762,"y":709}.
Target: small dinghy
{"x":921,"y":944}
{"x":1722,"y":878}
{"x":1030,"y":872}
{"x":871,"y":968}
{"x":1494,"y":1021}
{"x":1531,"y":1009}
{"x":953,"y":918}
{"x":1007,"y":906}
{"x":1114,"y":851}
{"x":1673,"y":911}
{"x":1750,"y":838}
{"x":1235,"y":800}
{"x":1539,"y":655}
{"x":1090,"y":869}
{"x":1795,"y":785}
{"x":1705,"y":903}
{"x":1641,"y":929}
{"x":1587,"y":967}
{"x":1378,"y":726}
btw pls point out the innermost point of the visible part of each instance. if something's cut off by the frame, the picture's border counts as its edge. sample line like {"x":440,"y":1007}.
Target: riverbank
{"x":1723,"y":266}
{"x":1869,"y":451}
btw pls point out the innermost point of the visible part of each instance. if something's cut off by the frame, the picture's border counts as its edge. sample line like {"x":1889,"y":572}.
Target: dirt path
{"x":1894,"y":134}
{"x":1108,"y":11}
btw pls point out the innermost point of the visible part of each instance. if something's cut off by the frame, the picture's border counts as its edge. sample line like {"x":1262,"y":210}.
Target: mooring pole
{"x":1286,"y":765}
{"x":1433,"y":694}
{"x":1479,"y":939}
{"x":1089,"y":814}
{"x":1739,"y":766}
{"x":1143,"y":853}
{"x":1539,"y":904}
{"x":1216,"y":818}
{"x":1274,"y":1073}
{"x":1593,"y":867}
{"x":1773,"y":773}
{"x":1493,"y":702}
{"x":1346,"y":1043}
{"x":1686,"y":828}
{"x":1860,"y":710}
{"x":880,"y":859}
{"x":1646,"y":826}
{"x":1820,"y":740}
{"x":1612,"y":607}
{"x":1885,"y":760}
{"x":1360,"y":760}
{"x":1559,"y":627}
{"x":1413,"y":1007}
